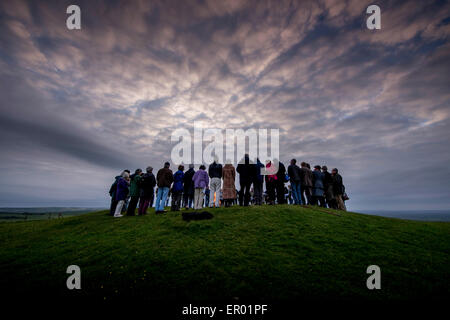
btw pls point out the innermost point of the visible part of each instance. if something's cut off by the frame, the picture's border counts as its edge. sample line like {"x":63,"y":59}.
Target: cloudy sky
{"x":78,"y":106}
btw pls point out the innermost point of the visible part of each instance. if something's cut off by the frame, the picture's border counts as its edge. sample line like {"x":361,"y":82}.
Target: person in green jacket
{"x":135,"y":191}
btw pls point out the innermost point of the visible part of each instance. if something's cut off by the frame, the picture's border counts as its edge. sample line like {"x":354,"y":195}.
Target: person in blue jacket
{"x":177,"y":188}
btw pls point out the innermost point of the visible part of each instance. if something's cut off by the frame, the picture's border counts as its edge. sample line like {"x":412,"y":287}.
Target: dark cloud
{"x":80,"y":106}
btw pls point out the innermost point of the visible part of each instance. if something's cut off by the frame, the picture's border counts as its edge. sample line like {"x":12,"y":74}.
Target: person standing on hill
{"x":229,"y":188}
{"x":135,"y":192}
{"x":247,"y":174}
{"x":147,"y":185}
{"x":271,"y":182}
{"x":177,"y":189}
{"x":121,"y":193}
{"x":306,"y":187}
{"x":112,"y":193}
{"x":215,"y":174}
{"x":258,"y":183}
{"x":201,"y":181}
{"x":295,"y":179}
{"x":328,"y":187}
{"x":281,"y":179}
{"x":318,"y":188}
{"x":188,"y":188}
{"x":164,"y":179}
{"x":338,"y":189}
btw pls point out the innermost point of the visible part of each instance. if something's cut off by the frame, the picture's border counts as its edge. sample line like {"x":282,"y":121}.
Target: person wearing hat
{"x":147,"y":184}
{"x":338,"y":189}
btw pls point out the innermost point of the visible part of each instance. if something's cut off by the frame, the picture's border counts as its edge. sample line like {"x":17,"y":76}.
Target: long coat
{"x":318,"y":189}
{"x":228,"y":176}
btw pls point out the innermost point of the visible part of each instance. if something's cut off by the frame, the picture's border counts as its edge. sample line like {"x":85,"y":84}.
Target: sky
{"x":79,"y":106}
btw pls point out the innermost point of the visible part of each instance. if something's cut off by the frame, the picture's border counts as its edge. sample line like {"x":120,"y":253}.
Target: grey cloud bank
{"x":78,"y":106}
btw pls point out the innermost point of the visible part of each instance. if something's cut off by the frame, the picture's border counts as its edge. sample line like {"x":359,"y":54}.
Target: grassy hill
{"x":268,"y":252}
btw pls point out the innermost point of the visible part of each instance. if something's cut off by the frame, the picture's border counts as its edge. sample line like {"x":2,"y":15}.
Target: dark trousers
{"x":132,"y":205}
{"x":144,"y":203}
{"x":280,"y":193}
{"x":271,"y":191}
{"x":257,"y":188}
{"x":318,"y":200}
{"x":188,"y":200}
{"x":176,"y":200}
{"x":244,"y":193}
{"x":113,"y":206}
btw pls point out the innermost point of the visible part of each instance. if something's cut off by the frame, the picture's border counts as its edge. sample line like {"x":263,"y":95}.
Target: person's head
{"x":202,"y":167}
{"x":334,"y":171}
{"x":191,"y":166}
{"x":324,"y":168}
{"x":138,"y":171}
{"x":181,"y":167}
{"x":167,"y":165}
{"x":149,"y":169}
{"x":317,"y":168}
{"x":228,"y":161}
{"x":303,"y":164}
{"x":125,"y":175}
{"x":126,"y":170}
{"x":293,"y":161}
{"x":308,"y":166}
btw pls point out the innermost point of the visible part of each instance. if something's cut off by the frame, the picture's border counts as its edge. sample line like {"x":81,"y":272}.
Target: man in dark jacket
{"x":258,"y":183}
{"x":147,"y":185}
{"x":188,"y":187}
{"x":338,"y":189}
{"x":247,"y":173}
{"x":306,"y":179}
{"x":215,"y":174}
{"x":135,"y":192}
{"x":281,"y":179}
{"x":295,"y":179}
{"x":328,"y":188}
{"x":164,"y":179}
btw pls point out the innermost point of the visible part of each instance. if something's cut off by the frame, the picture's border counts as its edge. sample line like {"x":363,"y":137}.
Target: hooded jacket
{"x":201,"y":179}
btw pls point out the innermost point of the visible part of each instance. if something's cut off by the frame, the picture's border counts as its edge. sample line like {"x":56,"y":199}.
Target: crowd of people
{"x":298,"y":185}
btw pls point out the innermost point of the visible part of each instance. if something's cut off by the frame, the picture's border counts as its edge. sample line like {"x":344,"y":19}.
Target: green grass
{"x":269,"y":252}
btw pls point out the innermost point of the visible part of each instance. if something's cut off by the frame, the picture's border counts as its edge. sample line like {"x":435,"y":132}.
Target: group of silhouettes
{"x":298,"y":185}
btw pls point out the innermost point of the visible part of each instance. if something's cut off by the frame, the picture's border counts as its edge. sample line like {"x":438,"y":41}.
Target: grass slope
{"x":268,"y":252}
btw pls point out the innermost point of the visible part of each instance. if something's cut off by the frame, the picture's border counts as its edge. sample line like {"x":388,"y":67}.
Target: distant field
{"x":264,"y":253}
{"x":25,"y":214}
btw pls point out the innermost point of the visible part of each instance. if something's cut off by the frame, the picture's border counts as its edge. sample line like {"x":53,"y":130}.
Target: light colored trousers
{"x":161,"y":198}
{"x":198,"y":198}
{"x":119,"y":207}
{"x":340,"y":202}
{"x":214,"y":186}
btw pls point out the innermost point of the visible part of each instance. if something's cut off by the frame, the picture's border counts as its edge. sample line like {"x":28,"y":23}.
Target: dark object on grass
{"x":195,"y":215}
